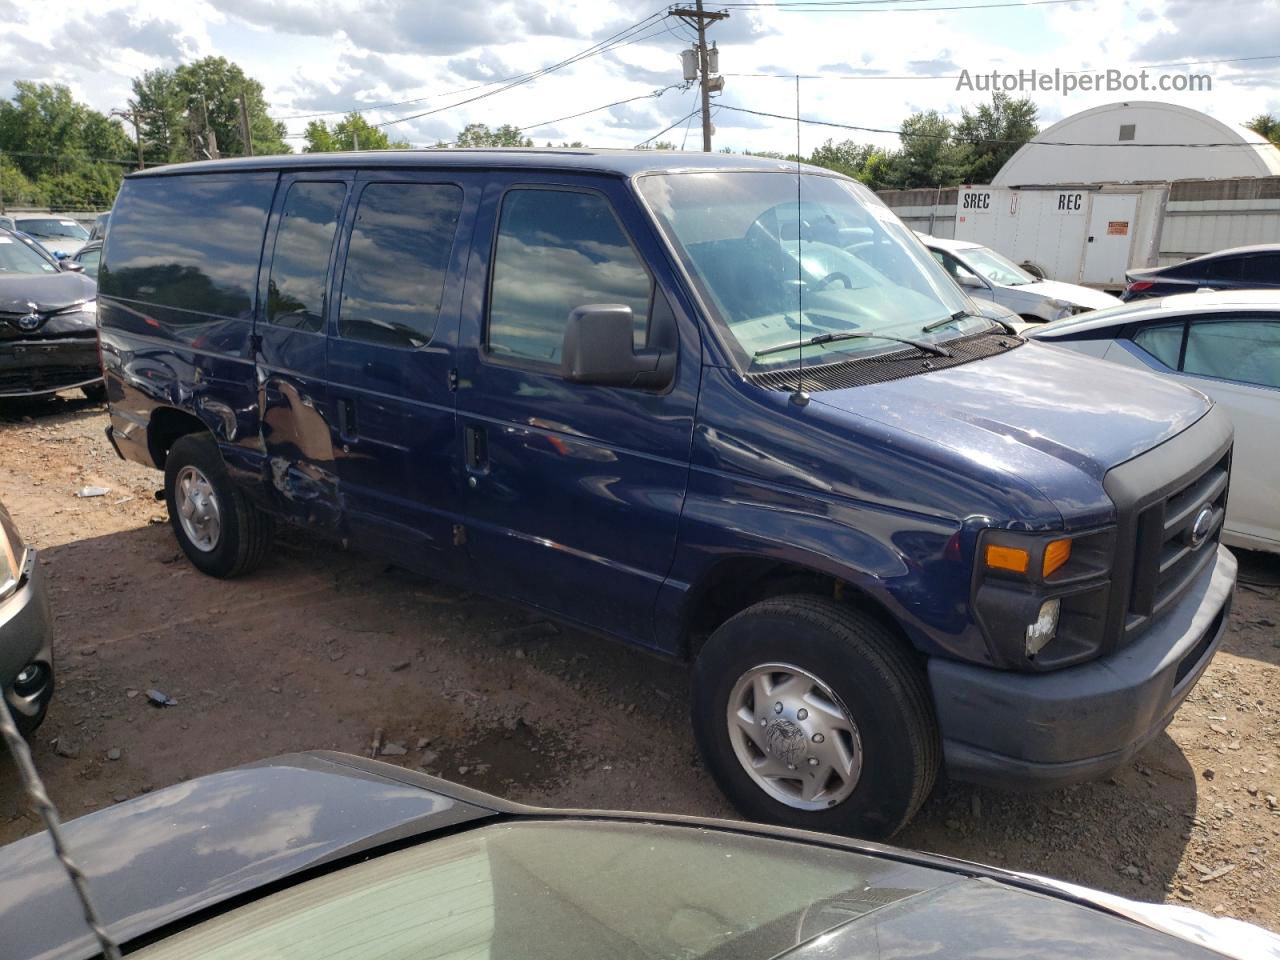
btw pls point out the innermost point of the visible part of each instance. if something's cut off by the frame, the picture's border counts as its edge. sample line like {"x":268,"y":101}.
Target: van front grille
{"x":1176,"y":537}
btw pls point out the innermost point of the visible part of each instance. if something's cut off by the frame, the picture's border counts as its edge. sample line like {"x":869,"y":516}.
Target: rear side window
{"x":1247,"y":351}
{"x":1223,"y":269}
{"x":396,"y":262}
{"x":300,"y":262}
{"x":558,"y":250}
{"x":1164,"y":342}
{"x":190,"y":242}
{"x":1262,"y":268}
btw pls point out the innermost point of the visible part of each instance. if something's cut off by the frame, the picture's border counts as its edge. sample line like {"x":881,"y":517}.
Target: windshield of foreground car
{"x":16,"y":257}
{"x":561,"y":890}
{"x":54,"y":229}
{"x":776,"y":270}
{"x":995,"y":268}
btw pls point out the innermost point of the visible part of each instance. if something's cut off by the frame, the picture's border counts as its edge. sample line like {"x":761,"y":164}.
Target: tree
{"x":1267,"y":126}
{"x":180,"y":109}
{"x":993,"y":133}
{"x":479,"y":135}
{"x":58,"y":152}
{"x":352,"y":132}
{"x":47,"y":131}
{"x":928,"y":156}
{"x":161,"y":109}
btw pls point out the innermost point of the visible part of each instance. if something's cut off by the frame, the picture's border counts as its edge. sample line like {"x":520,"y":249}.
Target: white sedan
{"x":984,"y":273}
{"x":1226,"y":345}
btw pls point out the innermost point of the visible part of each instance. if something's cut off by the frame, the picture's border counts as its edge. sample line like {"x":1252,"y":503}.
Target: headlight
{"x":1041,"y":599}
{"x":87,"y":310}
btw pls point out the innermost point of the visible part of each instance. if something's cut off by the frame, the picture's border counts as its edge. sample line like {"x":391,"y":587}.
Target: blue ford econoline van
{"x":723,"y":407}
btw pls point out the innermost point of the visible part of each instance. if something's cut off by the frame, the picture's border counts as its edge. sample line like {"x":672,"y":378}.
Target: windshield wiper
{"x":822,"y":338}
{"x":954,"y":318}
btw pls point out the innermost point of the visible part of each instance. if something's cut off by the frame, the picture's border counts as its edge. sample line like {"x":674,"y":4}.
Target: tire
{"x":95,"y":392}
{"x":873,"y":682}
{"x":243,"y":531}
{"x":28,"y":725}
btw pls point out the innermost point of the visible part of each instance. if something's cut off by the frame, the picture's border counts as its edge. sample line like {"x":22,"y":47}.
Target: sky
{"x":869,"y":63}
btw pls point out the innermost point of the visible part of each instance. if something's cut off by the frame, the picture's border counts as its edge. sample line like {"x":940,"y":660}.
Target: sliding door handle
{"x":347,"y":429}
{"x":475,"y":444}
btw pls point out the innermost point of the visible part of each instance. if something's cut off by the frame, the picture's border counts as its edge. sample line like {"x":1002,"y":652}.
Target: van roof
{"x":626,"y":163}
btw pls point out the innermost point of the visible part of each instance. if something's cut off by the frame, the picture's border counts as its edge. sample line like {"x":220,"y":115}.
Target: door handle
{"x":475,"y":443}
{"x":347,"y":420}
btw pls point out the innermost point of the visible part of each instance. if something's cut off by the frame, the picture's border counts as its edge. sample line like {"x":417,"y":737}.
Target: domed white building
{"x":1103,"y":148}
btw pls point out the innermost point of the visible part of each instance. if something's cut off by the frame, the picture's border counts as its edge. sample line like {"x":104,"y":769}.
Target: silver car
{"x":984,"y":273}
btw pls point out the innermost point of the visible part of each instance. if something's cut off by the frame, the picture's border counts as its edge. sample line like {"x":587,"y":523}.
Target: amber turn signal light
{"x":1013,"y":559}
{"x":1055,"y":555}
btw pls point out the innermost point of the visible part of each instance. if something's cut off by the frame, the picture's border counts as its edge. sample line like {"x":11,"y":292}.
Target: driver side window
{"x":558,"y":250}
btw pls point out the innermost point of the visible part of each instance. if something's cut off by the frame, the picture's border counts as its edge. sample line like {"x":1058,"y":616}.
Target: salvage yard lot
{"x":326,"y":649}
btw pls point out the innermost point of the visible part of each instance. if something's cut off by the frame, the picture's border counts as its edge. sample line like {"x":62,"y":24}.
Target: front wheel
{"x":811,"y":714}
{"x":222,"y":533}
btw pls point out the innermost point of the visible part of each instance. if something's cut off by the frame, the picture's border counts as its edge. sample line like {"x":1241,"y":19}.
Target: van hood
{"x":1071,"y":293}
{"x":1029,"y":411}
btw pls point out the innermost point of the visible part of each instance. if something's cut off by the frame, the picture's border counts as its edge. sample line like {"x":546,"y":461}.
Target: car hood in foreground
{"x":48,"y":291}
{"x":169,"y":854}
{"x":1070,"y":292}
{"x":163,"y":857}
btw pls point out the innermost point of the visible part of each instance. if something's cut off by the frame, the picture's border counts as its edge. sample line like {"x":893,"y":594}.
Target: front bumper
{"x":30,"y":368}
{"x":26,"y":637}
{"x":1009,"y":729}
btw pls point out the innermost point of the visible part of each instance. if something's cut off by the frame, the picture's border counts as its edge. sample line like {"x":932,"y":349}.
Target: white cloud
{"x":339,"y":54}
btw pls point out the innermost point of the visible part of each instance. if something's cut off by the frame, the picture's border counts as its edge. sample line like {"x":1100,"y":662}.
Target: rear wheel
{"x":811,"y":714}
{"x":218,"y":528}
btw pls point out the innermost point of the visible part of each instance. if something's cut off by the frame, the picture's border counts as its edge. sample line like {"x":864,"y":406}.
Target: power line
{"x":1006,"y":72}
{"x":622,"y":38}
{"x":853,"y":6}
{"x":955,"y":139}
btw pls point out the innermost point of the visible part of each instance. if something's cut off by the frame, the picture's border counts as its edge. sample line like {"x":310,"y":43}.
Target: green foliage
{"x":936,"y":152}
{"x":993,"y":133}
{"x":1267,"y":126}
{"x":352,"y":132}
{"x":56,"y":151}
{"x":479,"y":135}
{"x":189,"y":112}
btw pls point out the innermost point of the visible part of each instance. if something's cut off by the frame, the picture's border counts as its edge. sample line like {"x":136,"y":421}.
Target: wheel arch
{"x":166,"y":427}
{"x":735,"y":583}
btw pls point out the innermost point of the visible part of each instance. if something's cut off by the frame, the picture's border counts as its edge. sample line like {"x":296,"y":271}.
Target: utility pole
{"x":698,"y":19}
{"x":244,"y":124}
{"x":132,"y":116}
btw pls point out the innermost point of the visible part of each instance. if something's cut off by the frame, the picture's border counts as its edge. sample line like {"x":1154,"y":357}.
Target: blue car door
{"x":294,"y":301}
{"x":391,"y":355}
{"x":573,"y":492}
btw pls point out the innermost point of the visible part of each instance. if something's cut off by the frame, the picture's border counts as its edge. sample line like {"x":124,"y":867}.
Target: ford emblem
{"x":1203,"y":525}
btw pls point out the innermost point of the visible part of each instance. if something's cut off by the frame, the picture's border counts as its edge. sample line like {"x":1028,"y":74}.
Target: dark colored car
{"x":26,"y":630}
{"x":100,"y":224}
{"x":88,"y":257}
{"x":570,"y":378}
{"x":328,"y":855}
{"x":48,"y":324}
{"x":1241,"y":268}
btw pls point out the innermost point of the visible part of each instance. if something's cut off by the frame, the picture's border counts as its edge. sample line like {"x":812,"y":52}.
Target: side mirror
{"x":970,"y":281}
{"x":599,"y":349}
{"x":71,"y":266}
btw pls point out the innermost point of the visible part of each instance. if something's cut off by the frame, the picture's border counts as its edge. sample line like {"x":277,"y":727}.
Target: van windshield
{"x":783,"y":257}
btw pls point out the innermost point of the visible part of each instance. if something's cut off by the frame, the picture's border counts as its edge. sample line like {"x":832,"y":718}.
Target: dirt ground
{"x":326,"y":649}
